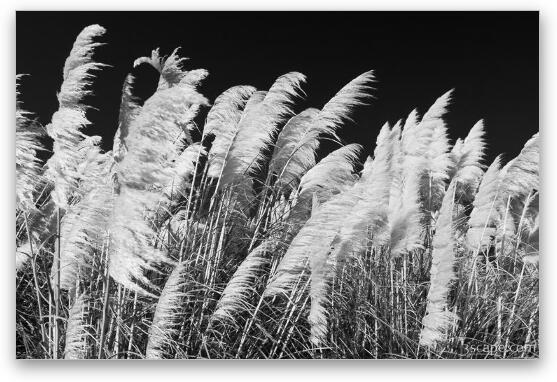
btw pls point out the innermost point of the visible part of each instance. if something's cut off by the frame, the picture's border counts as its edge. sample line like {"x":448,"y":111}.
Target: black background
{"x":490,"y":58}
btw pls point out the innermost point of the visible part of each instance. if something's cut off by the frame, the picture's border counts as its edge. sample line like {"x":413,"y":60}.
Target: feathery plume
{"x":67,"y":123}
{"x":405,"y":220}
{"x":148,"y":166}
{"x":332,"y":174}
{"x":466,"y":156}
{"x":373,"y":193}
{"x":466,"y":167}
{"x":519,"y":183}
{"x":294,"y":152}
{"x":222,"y":123}
{"x":314,"y":239}
{"x":368,"y":214}
{"x":437,"y":153}
{"x":77,"y":329}
{"x":339,"y":108}
{"x":170,"y":68}
{"x":27,"y":165}
{"x":482,"y":223}
{"x":256,"y":131}
{"x":521,"y":175}
{"x":329,"y":179}
{"x":438,"y":318}
{"x":234,"y":298}
{"x":312,"y":246}
{"x":404,"y":199}
{"x":163,"y":328}
{"x":85,"y":224}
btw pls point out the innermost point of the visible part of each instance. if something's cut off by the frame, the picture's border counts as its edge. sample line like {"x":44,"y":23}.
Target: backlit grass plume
{"x":439,"y":317}
{"x":147,"y":167}
{"x":166,"y":318}
{"x":27,"y":146}
{"x":78,"y":331}
{"x":256,"y":130}
{"x":68,"y":122}
{"x":222,"y":124}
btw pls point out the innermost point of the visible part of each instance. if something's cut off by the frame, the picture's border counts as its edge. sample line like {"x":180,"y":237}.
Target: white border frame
{"x":414,"y":371}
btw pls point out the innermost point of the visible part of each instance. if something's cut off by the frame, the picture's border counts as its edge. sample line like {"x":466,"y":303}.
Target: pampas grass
{"x":234,"y":237}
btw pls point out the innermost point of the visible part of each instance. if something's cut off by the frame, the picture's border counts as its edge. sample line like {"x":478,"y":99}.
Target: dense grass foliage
{"x":230,"y":239}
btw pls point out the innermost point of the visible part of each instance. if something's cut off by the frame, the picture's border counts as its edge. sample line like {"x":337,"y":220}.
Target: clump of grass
{"x":245,"y":244}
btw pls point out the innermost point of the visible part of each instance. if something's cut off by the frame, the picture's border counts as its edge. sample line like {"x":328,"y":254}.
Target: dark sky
{"x":490,"y":58}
